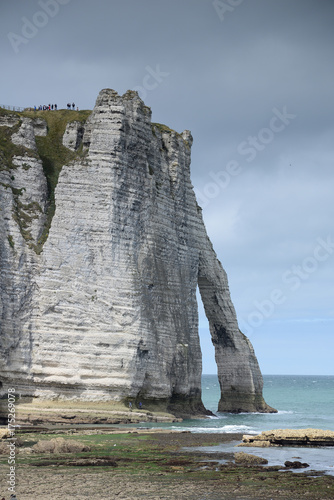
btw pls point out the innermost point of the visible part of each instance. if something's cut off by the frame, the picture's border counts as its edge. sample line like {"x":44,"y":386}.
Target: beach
{"x":124,"y":463}
{"x":154,"y":455}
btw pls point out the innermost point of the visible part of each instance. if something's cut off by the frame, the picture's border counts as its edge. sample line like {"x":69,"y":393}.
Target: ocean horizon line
{"x":286,"y":374}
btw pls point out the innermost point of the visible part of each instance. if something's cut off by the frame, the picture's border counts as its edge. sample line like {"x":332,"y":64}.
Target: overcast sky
{"x":253,"y":81}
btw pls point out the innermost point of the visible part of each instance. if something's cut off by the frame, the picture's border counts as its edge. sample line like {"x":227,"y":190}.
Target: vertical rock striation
{"x":23,"y":202}
{"x":108,"y":309}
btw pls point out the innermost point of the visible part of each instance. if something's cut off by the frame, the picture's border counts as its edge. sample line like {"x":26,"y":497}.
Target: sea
{"x":302,"y":401}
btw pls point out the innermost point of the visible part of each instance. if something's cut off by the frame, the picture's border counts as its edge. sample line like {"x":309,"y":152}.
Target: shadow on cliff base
{"x":178,"y":405}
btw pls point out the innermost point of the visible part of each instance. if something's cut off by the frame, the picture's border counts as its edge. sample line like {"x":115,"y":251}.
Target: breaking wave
{"x":225,"y":429}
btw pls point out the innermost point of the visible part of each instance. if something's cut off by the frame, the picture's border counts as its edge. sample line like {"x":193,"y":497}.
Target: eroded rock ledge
{"x":290,"y":437}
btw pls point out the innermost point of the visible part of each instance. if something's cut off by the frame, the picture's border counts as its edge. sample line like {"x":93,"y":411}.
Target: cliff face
{"x":99,"y":275}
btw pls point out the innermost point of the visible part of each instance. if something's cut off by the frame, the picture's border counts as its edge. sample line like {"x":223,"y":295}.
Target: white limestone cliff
{"x":73,"y":135}
{"x":107,"y":310}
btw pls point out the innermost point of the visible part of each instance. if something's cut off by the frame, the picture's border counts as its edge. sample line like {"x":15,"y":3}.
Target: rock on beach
{"x":290,"y":437}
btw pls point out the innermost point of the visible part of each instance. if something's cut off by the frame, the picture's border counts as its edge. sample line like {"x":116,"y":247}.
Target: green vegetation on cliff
{"x":50,"y":148}
{"x":8,"y":150}
{"x":51,"y":152}
{"x":54,"y":155}
{"x":164,"y":129}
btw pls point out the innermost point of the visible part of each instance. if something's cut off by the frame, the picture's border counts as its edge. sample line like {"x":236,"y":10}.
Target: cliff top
{"x":48,"y":142}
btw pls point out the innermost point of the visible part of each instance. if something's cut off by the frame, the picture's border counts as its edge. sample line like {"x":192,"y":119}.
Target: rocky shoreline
{"x":39,"y":413}
{"x":290,"y":437}
{"x":133,"y":463}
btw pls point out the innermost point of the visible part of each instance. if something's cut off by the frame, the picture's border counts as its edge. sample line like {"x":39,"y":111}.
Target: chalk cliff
{"x":99,"y":266}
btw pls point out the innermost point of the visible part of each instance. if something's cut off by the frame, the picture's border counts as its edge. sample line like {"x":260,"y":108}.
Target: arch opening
{"x":210,"y":383}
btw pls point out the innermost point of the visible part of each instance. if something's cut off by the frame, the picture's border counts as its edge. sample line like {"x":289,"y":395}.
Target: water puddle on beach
{"x":319,"y":459}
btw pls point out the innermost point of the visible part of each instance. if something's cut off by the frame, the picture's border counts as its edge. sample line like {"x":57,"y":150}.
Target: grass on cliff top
{"x":50,"y":149}
{"x":53,"y":154}
{"x":164,"y":129}
{"x":8,"y":150}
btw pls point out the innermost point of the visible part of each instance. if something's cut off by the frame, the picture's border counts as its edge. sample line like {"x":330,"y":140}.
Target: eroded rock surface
{"x":73,"y":135}
{"x":248,"y":459}
{"x":108,"y":309}
{"x":290,"y":437}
